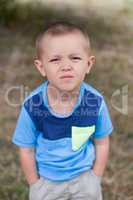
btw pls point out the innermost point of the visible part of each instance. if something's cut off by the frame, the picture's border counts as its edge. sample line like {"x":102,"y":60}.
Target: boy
{"x":64,"y":125}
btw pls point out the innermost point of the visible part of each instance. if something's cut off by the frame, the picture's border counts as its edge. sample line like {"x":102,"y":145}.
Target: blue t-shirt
{"x":64,"y":143}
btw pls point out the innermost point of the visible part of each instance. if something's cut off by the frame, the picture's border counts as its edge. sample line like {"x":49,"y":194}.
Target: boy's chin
{"x":69,"y":88}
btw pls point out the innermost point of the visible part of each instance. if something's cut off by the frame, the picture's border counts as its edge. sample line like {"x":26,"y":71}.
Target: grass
{"x":113,"y":69}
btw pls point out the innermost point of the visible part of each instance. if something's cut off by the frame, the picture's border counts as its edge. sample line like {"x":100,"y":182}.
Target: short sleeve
{"x":104,"y":125}
{"x":25,"y":132}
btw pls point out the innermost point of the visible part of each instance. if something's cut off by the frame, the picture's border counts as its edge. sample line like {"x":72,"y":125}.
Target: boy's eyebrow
{"x":72,"y":54}
{"x":57,"y":56}
{"x":75,"y":54}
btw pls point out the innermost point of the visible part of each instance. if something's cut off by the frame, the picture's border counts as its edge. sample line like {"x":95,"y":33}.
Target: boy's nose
{"x":66,"y":66}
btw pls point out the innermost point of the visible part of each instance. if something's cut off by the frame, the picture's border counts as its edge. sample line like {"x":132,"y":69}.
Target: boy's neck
{"x":62,"y":101}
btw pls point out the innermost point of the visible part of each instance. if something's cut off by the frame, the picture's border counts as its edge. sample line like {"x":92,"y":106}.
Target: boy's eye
{"x":54,"y":60}
{"x":76,"y":58}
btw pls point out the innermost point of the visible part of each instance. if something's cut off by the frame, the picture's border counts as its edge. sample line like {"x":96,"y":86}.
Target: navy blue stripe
{"x":54,"y":128}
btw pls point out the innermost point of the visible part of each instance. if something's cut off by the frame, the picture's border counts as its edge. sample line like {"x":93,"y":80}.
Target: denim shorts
{"x":86,"y":186}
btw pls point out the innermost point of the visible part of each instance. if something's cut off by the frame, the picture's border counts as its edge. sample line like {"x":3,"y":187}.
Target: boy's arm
{"x":27,"y":159}
{"x":102,"y":152}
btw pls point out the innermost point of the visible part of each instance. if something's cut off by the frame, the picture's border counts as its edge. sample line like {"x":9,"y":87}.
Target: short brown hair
{"x":59,"y":28}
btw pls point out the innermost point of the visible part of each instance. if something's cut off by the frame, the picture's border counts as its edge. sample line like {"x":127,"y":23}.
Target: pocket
{"x":34,"y":188}
{"x":36,"y":183}
{"x":98,"y":178}
{"x":80,"y":135}
{"x":94,"y":182}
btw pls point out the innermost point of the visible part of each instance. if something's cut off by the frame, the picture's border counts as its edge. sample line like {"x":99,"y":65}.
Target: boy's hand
{"x":33,"y":181}
{"x":102,"y":151}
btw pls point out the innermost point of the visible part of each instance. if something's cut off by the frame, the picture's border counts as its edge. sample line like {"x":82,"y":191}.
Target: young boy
{"x":64,"y":125}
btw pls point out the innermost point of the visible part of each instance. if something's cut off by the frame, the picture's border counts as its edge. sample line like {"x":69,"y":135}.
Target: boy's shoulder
{"x":92,"y":90}
{"x":36,"y":91}
{"x":97,"y":95}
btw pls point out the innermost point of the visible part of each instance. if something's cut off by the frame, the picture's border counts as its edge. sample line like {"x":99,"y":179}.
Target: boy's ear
{"x":91,"y":62}
{"x":39,"y":66}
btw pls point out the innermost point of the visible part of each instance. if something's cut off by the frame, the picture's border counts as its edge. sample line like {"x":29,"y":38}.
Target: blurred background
{"x":110,"y":27}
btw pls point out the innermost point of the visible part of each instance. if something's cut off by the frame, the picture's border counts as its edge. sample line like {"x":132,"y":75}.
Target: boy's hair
{"x":60,"y":28}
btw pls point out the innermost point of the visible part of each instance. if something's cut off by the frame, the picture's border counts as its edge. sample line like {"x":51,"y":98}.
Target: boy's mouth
{"x":66,"y":77}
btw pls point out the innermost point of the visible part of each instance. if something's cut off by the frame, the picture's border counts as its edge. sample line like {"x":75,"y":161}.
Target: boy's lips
{"x":66,"y":77}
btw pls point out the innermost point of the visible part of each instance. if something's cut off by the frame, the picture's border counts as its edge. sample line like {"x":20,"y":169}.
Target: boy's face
{"x":65,"y":60}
